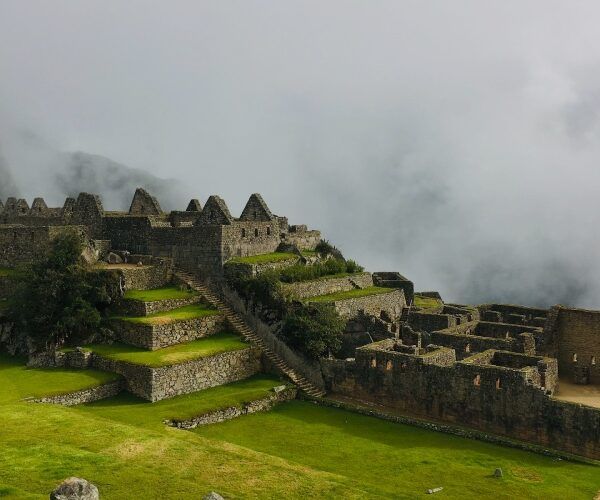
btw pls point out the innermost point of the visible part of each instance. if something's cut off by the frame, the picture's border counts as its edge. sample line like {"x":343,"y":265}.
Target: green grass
{"x":180,"y":353}
{"x":426,"y":302}
{"x":166,"y":293}
{"x":309,"y":253}
{"x":192,"y":311}
{"x":38,"y":382}
{"x":399,"y":461}
{"x":265,"y":258}
{"x":350,"y":294}
{"x":299,"y":450}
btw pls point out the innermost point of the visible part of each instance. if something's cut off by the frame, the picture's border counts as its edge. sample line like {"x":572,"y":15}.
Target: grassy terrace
{"x":38,"y":382}
{"x":192,"y":311}
{"x":350,"y":294}
{"x":180,"y":353}
{"x":426,"y":302}
{"x":298,"y":450}
{"x":265,"y":258}
{"x":156,"y":294}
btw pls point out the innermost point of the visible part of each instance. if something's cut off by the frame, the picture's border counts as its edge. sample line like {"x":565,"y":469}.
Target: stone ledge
{"x":133,"y":307}
{"x":155,"y":337}
{"x":325,"y":285}
{"x":154,"y":384}
{"x":231,"y":412}
{"x":84,"y":396}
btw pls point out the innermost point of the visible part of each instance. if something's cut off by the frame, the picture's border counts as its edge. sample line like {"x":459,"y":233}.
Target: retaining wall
{"x":224,"y":414}
{"x":158,"y":336}
{"x":85,"y":396}
{"x":326,"y":285}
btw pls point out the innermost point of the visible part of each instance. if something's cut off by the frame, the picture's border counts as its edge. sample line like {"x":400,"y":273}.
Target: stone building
{"x":199,"y":239}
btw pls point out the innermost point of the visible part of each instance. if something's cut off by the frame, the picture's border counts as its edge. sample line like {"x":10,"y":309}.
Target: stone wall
{"x":23,"y":244}
{"x":326,"y":285}
{"x":578,"y":335}
{"x":512,"y":402}
{"x":224,"y":414}
{"x":130,"y":307}
{"x":147,"y":277}
{"x":234,"y":270}
{"x":429,"y":322}
{"x":519,"y":315}
{"x":391,"y":303}
{"x":84,"y":396}
{"x":155,"y":384}
{"x":301,"y":237}
{"x":158,"y":336}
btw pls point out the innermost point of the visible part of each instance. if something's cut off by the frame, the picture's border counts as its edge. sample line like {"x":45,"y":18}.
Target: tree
{"x":57,"y":297}
{"x":314,"y":330}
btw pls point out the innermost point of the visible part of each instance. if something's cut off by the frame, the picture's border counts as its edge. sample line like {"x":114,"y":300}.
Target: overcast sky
{"x":456,"y":142}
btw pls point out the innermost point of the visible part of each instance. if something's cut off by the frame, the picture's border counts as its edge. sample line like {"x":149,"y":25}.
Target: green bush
{"x":57,"y":298}
{"x":329,"y":267}
{"x":326,"y":249}
{"x":314,"y":330}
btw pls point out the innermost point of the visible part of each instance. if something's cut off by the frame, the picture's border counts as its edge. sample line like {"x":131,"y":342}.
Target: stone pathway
{"x":242,"y":327}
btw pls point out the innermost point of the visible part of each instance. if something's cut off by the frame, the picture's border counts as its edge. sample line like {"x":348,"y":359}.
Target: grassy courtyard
{"x":298,"y":450}
{"x":427,"y":303}
{"x":166,"y":293}
{"x":350,"y":294}
{"x":180,"y":353}
{"x":191,"y":311}
{"x":265,"y":258}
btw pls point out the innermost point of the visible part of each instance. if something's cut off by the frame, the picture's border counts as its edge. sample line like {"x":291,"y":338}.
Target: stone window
{"x":256,"y":232}
{"x":477,"y":380}
{"x":268,"y":231}
{"x":373,"y":363}
{"x":498,"y":384}
{"x":388,"y":365}
{"x":575,"y":357}
{"x":243,"y":233}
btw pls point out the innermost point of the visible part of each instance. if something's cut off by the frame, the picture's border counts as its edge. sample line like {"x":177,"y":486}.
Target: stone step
{"x":239,"y":324}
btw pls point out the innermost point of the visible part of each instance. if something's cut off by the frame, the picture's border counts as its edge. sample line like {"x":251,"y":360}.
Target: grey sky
{"x":457,"y":142}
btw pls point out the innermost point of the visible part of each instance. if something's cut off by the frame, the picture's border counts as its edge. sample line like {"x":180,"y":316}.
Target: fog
{"x":455,"y":142}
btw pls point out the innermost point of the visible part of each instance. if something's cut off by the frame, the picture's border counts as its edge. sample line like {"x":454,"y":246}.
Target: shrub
{"x":314,"y":330}
{"x":57,"y":298}
{"x":326,"y":249}
{"x":263,"y":289}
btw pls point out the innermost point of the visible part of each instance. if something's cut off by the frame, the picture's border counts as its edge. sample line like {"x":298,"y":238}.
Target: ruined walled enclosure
{"x":525,"y":373}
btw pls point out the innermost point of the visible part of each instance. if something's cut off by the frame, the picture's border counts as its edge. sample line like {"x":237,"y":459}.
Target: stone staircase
{"x":237,"y":321}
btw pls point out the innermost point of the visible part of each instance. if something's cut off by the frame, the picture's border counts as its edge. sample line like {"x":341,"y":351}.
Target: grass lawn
{"x":265,"y":258}
{"x":299,"y":450}
{"x":18,"y":381}
{"x":180,"y":353}
{"x":393,"y":460}
{"x":350,"y":294}
{"x":180,"y":314}
{"x":426,"y":302}
{"x":166,"y":293}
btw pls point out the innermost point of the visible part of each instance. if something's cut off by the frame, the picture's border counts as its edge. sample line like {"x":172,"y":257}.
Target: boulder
{"x":498,"y":472}
{"x":75,"y":488}
{"x":213,"y":495}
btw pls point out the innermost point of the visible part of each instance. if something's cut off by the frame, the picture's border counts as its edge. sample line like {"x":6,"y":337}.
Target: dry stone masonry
{"x":497,"y":369}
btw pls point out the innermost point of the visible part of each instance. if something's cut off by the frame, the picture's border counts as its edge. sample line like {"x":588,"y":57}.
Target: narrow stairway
{"x":237,"y":321}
